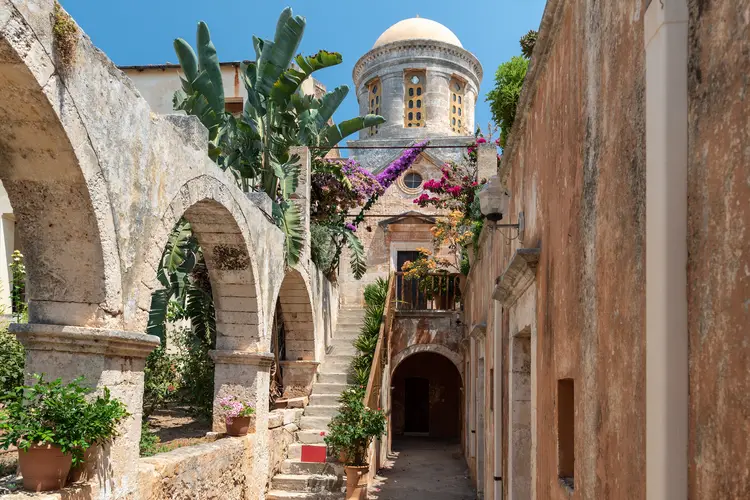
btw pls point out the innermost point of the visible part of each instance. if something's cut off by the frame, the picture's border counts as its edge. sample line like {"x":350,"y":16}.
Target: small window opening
{"x":566,"y":432}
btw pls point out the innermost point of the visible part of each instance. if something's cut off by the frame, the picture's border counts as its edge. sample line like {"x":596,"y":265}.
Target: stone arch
{"x":220,"y":227}
{"x":453,"y":356}
{"x":56,"y":188}
{"x":295,"y":305}
{"x":426,"y":392}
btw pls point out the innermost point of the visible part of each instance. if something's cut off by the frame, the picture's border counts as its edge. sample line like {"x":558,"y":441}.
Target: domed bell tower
{"x":423,"y":82}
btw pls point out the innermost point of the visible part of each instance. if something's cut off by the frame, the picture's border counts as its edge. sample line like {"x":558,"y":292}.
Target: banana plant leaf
{"x":289,"y":220}
{"x":333,"y":134}
{"x":208,"y":62}
{"x":357,"y":259}
{"x":290,"y":80}
{"x":275,"y":56}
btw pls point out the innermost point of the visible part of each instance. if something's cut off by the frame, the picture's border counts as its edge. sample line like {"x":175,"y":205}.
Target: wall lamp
{"x":494,"y":200}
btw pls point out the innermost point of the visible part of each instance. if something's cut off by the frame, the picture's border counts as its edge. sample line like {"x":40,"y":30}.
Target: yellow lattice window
{"x":374,"y":93}
{"x":414,"y":108}
{"x":456,"y":114}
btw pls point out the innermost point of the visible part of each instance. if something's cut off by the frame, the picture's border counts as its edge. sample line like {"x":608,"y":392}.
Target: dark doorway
{"x":407,"y":291}
{"x":417,"y":418}
{"x":426,"y":397}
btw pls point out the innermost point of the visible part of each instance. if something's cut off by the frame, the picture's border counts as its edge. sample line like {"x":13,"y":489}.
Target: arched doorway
{"x":426,"y":397}
{"x":293,"y":341}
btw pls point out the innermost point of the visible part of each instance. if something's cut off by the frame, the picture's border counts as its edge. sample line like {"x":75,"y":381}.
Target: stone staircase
{"x":314,"y":481}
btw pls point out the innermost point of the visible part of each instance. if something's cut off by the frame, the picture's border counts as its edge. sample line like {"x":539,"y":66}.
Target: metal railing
{"x":434,"y":292}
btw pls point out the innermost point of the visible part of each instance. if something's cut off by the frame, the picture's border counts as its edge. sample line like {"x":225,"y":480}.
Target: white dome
{"x":417,"y":28}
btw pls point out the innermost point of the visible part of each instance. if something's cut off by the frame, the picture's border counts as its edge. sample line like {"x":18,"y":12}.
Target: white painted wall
{"x":157,"y":84}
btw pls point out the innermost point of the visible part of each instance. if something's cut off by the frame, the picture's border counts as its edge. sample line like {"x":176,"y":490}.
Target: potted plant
{"x":237,"y":415}
{"x":99,"y":421}
{"x":350,"y":433}
{"x":53,"y":425}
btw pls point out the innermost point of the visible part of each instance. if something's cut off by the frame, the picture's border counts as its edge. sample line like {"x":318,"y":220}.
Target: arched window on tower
{"x":414,"y":112}
{"x":456,"y":109}
{"x":374,"y":93}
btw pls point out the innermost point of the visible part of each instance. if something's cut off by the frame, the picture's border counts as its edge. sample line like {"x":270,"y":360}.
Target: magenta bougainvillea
{"x":339,"y":187}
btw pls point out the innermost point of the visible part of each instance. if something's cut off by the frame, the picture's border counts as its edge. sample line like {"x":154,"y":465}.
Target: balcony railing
{"x":434,"y":292}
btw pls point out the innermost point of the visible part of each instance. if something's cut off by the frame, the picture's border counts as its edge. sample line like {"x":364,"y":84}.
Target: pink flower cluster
{"x":231,"y":408}
{"x":455,"y":189}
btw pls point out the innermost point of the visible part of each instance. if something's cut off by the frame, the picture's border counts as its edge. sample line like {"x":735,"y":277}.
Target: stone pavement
{"x":423,"y":469}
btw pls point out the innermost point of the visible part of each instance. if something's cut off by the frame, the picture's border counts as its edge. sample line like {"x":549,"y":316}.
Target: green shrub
{"x":195,"y":371}
{"x":12,"y":357}
{"x":59,"y":414}
{"x":161,"y":380}
{"x":528,"y":41}
{"x":376,"y":293}
{"x":149,"y":444}
{"x":322,"y":247}
{"x":355,"y":426}
{"x":503,"y":98}
{"x":19,"y":307}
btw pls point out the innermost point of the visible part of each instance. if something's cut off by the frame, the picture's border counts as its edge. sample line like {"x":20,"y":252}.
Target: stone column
{"x":437,"y":102}
{"x":393,"y":103}
{"x":470,"y":104}
{"x":247,"y":376}
{"x":106,"y":358}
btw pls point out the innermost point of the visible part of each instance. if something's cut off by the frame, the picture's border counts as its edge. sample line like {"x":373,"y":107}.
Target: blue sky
{"x":141,"y":32}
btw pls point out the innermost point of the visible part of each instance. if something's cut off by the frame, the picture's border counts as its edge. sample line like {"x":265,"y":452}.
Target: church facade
{"x":421,"y":79}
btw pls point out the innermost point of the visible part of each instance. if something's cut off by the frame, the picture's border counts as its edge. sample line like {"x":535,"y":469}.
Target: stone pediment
{"x":410,"y":217}
{"x":517,"y":277}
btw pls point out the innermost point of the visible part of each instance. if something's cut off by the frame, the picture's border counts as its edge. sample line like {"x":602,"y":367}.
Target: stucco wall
{"x":718,"y":252}
{"x":575,"y":166}
{"x":424,"y":328}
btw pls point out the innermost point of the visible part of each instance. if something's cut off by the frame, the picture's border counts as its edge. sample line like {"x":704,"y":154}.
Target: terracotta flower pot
{"x":44,"y":467}
{"x":356,"y":481}
{"x":238,"y":426}
{"x":85,"y":470}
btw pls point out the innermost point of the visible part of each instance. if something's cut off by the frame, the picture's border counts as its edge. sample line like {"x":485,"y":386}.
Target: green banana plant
{"x":186,"y":290}
{"x":276,"y":116}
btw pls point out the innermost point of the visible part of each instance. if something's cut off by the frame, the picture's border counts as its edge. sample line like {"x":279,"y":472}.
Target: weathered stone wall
{"x":718,"y":252}
{"x":222,"y":469}
{"x":425,"y":329}
{"x":98,"y":181}
{"x":575,"y":166}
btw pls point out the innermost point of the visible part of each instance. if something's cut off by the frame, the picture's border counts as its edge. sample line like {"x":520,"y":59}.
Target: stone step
{"x":321,"y":388}
{"x":338,"y":358}
{"x":321,"y":411}
{"x":343,"y":350}
{"x":324,"y":468}
{"x":305,"y":495}
{"x":314,"y":422}
{"x":348,"y":329}
{"x":295,"y":449}
{"x":307,"y":483}
{"x":333,"y":378}
{"x":325,"y":399}
{"x":337,"y":366}
{"x":311,"y":436}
